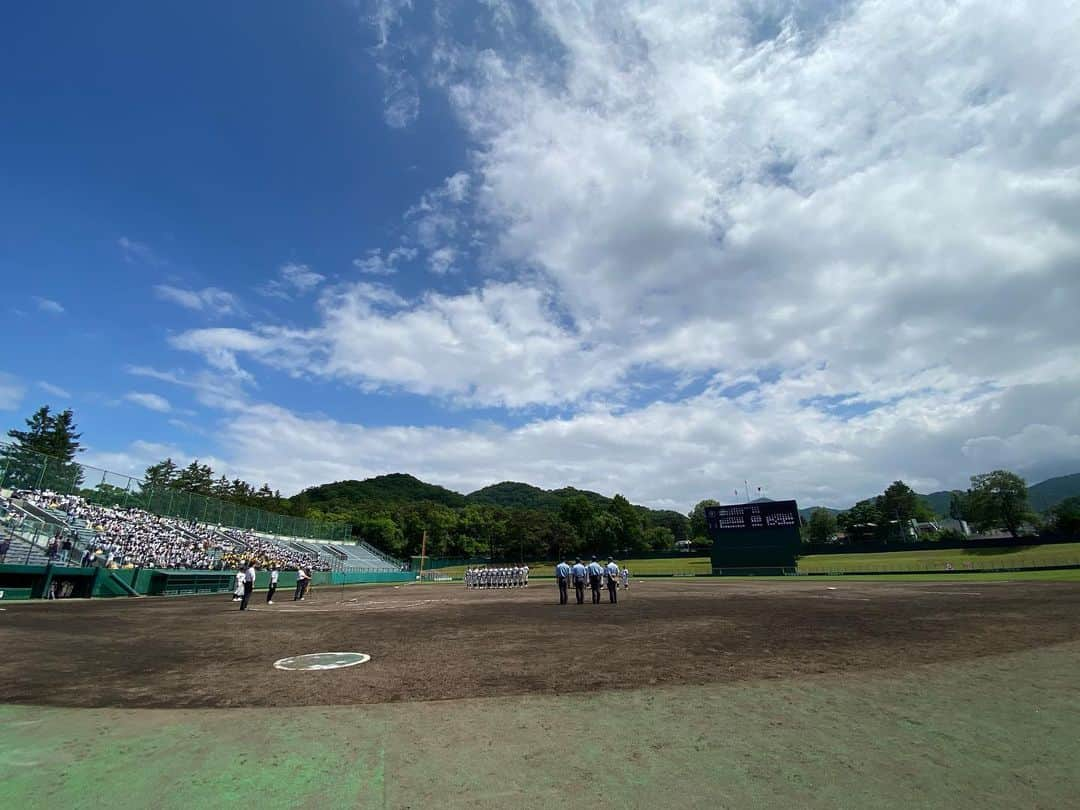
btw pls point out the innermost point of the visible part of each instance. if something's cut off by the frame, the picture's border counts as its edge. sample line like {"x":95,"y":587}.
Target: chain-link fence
{"x":24,"y":468}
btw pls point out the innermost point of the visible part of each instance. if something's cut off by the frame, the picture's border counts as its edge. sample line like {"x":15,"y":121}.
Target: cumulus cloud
{"x":152,"y":402}
{"x":210,"y":300}
{"x":499,"y":345}
{"x":854,"y":225}
{"x":671,"y":454}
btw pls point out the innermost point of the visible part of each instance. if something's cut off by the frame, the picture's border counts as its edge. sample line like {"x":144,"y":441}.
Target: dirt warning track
{"x":443,"y":642}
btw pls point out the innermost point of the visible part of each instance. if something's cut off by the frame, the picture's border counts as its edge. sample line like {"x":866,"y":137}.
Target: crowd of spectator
{"x":127,"y":537}
{"x":265,"y":553}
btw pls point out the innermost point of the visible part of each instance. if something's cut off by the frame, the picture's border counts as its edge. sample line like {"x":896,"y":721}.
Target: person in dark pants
{"x":612,"y":572}
{"x":249,"y":585}
{"x":301,"y":584}
{"x":562,"y":574}
{"x":272,"y":586}
{"x":596,"y":577}
{"x":578,"y":573}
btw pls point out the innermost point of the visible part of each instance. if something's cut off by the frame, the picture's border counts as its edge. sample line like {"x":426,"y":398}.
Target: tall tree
{"x":958,"y":505}
{"x":629,"y":536}
{"x":659,"y":538}
{"x":578,"y":513}
{"x":195,"y":477}
{"x":1065,"y":517}
{"x":822,"y":526}
{"x":999,"y":499}
{"x":697,"y":518}
{"x":44,"y":454}
{"x":160,"y":476}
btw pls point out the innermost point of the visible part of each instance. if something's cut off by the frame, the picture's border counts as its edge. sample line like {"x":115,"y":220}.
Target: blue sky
{"x":496,"y":240}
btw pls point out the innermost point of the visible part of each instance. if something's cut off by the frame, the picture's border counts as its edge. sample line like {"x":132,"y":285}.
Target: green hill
{"x":938,"y":502}
{"x":393,"y":488}
{"x":805,"y":513}
{"x":513,"y":494}
{"x":1052,"y":491}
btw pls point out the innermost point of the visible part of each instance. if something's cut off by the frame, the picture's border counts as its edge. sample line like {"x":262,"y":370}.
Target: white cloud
{"x":401,"y":97}
{"x":292,"y":279}
{"x":138,"y":252}
{"x":12,"y":391}
{"x":50,"y":306}
{"x":497,"y":345}
{"x":401,"y":91}
{"x":210,"y":300}
{"x":375,"y":263}
{"x":153,"y":402}
{"x":442,"y":259}
{"x":671,"y":454}
{"x":55,"y":390}
{"x":861,"y":215}
{"x":132,"y":461}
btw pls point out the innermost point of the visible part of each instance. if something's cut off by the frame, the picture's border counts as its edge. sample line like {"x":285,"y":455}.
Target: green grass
{"x":979,"y":558}
{"x":915,"y":562}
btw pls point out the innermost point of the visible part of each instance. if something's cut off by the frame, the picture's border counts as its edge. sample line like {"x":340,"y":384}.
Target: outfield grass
{"x":981,"y":559}
{"x":978,"y":558}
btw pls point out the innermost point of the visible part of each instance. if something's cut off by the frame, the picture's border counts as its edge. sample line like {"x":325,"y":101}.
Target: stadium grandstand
{"x":134,"y":526}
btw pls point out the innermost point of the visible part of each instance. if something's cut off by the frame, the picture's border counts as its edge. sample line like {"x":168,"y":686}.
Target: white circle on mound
{"x":317,"y":661}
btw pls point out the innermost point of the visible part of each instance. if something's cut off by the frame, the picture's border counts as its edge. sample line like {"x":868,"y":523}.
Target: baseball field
{"x":915,"y":562}
{"x":764,"y":693}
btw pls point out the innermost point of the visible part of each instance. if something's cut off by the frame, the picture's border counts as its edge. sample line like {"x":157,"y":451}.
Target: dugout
{"x":754,"y":539}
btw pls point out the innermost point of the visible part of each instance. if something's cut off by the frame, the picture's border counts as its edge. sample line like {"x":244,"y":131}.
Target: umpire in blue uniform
{"x":596,"y":577}
{"x":578,"y":573}
{"x":562,"y":574}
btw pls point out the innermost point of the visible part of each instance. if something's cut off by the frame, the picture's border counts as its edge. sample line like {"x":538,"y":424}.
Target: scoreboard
{"x":754,"y":537}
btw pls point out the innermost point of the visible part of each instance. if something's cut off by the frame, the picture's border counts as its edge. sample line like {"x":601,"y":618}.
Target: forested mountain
{"x":514,"y":494}
{"x":1052,"y":491}
{"x":393,"y":488}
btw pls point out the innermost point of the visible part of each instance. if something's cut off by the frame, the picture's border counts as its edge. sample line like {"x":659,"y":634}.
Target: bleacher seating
{"x":120,"y":537}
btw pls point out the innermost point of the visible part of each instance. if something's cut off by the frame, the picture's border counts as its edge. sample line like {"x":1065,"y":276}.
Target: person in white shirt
{"x":301,"y":585}
{"x":525,"y":576}
{"x":612,"y":571}
{"x":273,"y":585}
{"x":249,"y":585}
{"x":238,"y":591}
{"x":625,"y":577}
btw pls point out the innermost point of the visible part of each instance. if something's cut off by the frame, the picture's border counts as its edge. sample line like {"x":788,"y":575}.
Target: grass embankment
{"x":915,"y":562}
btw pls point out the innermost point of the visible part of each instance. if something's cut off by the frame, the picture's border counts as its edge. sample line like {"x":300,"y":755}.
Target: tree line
{"x":996,"y":500}
{"x":394,"y":512}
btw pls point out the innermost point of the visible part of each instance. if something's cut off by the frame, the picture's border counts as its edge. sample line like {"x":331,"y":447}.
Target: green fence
{"x":23,"y":468}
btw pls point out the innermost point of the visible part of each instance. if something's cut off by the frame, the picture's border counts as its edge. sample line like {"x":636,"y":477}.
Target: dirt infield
{"x":442,"y":642}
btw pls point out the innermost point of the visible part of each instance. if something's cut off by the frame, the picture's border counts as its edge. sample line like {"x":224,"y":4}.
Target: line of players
{"x":513,"y":577}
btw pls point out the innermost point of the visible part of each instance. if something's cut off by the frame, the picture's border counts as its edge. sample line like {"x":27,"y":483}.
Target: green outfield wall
{"x":36,"y":581}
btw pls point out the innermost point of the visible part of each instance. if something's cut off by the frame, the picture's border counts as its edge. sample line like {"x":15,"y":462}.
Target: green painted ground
{"x":913,"y":561}
{"x":991,"y":733}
